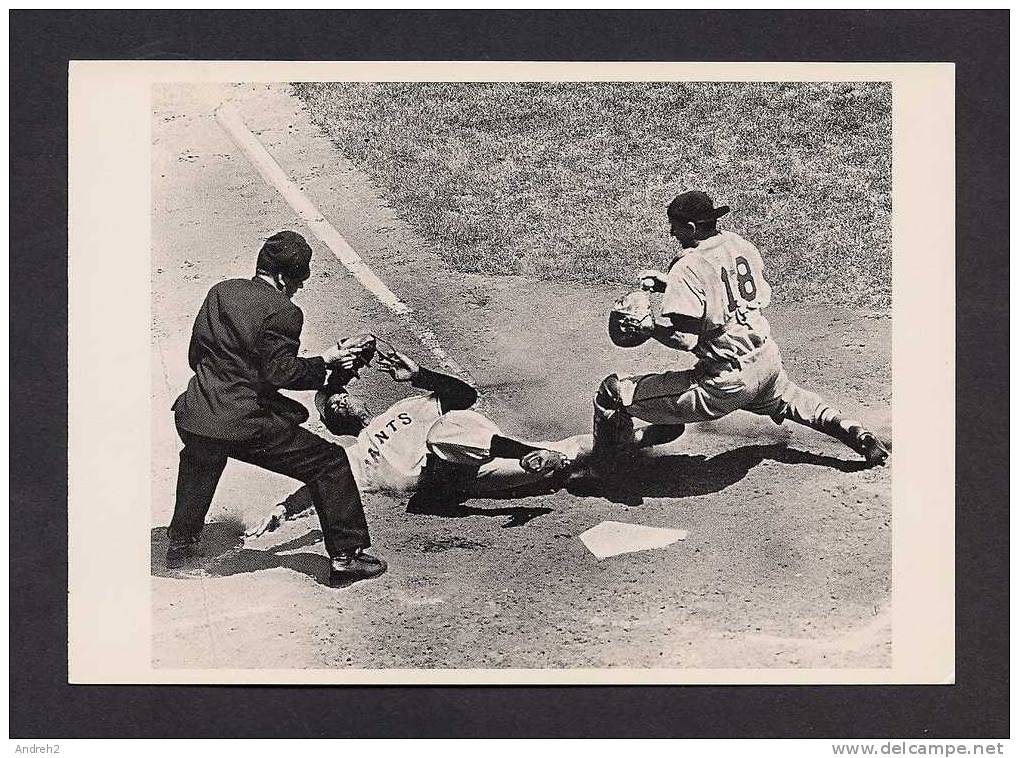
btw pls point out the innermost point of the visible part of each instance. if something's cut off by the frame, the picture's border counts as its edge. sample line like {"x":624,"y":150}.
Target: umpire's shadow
{"x":224,"y":554}
{"x":679,"y":476}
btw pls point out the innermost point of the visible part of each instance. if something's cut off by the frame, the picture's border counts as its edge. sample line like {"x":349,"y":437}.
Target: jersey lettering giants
{"x":721,"y":284}
{"x":389,"y":454}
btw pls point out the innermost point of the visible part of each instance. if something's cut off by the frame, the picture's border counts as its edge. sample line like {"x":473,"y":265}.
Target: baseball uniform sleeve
{"x":453,"y":394}
{"x":278,"y":343}
{"x":684,"y":300}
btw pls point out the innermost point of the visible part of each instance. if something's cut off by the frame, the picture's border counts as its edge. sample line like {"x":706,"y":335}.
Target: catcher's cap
{"x":286,"y":253}
{"x":362,"y":344}
{"x":385,"y":348}
{"x":695,"y":206}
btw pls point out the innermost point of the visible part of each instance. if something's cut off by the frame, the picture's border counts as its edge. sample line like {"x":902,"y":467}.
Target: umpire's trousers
{"x":296,"y":453}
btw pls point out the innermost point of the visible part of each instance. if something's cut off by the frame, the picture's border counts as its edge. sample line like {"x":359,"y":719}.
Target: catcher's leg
{"x":658,"y":434}
{"x":807,"y":408}
{"x":613,"y":427}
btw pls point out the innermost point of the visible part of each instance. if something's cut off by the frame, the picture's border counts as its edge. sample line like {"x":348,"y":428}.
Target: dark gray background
{"x":44,"y":705}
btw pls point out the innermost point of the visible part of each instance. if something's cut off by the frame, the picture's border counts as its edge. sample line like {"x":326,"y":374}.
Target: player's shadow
{"x":224,"y":554}
{"x":421,"y":504}
{"x":679,"y":476}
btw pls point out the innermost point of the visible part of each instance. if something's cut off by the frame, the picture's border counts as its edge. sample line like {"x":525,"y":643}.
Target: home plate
{"x":614,"y":538}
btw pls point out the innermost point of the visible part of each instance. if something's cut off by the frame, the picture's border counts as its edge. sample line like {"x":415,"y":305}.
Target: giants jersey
{"x":389,"y":454}
{"x":721,"y":284}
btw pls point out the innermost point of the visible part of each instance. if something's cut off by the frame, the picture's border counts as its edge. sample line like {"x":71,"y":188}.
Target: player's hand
{"x":651,"y":280}
{"x":544,"y":461}
{"x":400,"y":367}
{"x":271,"y":523}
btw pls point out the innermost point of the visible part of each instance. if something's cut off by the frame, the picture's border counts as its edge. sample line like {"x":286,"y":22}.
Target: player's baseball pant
{"x":299,"y":454}
{"x":462,"y":442}
{"x":465,"y":438}
{"x":760,"y":386}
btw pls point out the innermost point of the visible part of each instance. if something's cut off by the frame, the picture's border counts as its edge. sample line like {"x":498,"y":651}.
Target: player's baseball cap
{"x":286,"y":253}
{"x":695,"y":206}
{"x":362,"y":344}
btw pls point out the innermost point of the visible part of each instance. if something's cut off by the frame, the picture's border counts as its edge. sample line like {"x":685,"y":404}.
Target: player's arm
{"x":652,"y":280}
{"x":681,"y":321}
{"x":534,"y":459}
{"x":678,"y":331}
{"x":453,"y":394}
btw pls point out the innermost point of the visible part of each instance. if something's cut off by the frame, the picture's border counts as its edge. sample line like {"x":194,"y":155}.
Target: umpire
{"x":243,"y":350}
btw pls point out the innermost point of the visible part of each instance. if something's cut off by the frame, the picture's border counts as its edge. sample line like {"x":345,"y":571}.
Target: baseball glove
{"x":631,"y":321}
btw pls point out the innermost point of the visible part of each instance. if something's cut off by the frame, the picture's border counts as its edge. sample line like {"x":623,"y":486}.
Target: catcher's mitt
{"x":631,"y":321}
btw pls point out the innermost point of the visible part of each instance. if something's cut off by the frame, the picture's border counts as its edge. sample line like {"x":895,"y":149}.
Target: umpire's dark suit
{"x":243,"y":350}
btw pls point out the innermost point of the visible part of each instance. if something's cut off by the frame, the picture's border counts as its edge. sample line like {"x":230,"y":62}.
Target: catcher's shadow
{"x":679,"y":476}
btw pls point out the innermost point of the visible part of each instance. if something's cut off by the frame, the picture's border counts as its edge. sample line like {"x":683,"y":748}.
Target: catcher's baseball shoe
{"x":871,"y":448}
{"x":347,"y":568}
{"x":181,"y":553}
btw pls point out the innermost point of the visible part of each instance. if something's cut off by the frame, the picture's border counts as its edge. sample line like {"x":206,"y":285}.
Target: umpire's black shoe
{"x":182,"y":553}
{"x":870,"y":447}
{"x":347,"y":568}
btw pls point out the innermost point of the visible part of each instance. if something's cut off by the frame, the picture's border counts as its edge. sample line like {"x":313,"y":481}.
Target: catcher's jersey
{"x":389,"y":454}
{"x":721,"y":283}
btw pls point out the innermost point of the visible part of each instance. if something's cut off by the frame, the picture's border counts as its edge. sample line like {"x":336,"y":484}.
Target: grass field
{"x":568,"y":180}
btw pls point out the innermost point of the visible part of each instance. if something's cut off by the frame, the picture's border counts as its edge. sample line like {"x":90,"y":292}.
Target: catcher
{"x":430,"y":443}
{"x":713,"y":297}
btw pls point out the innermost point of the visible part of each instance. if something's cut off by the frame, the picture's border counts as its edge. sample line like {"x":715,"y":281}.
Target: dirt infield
{"x":788,"y":558}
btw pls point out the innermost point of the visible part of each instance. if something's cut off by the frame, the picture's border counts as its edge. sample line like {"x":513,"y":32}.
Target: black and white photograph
{"x":468,"y":375}
{"x":471,"y":374}
{"x":521,"y":375}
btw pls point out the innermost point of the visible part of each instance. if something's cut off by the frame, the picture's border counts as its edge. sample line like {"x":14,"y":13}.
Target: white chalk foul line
{"x":276,"y":177}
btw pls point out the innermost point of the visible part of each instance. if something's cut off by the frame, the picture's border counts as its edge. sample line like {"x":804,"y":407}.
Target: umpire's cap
{"x":286,"y":253}
{"x":695,"y":206}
